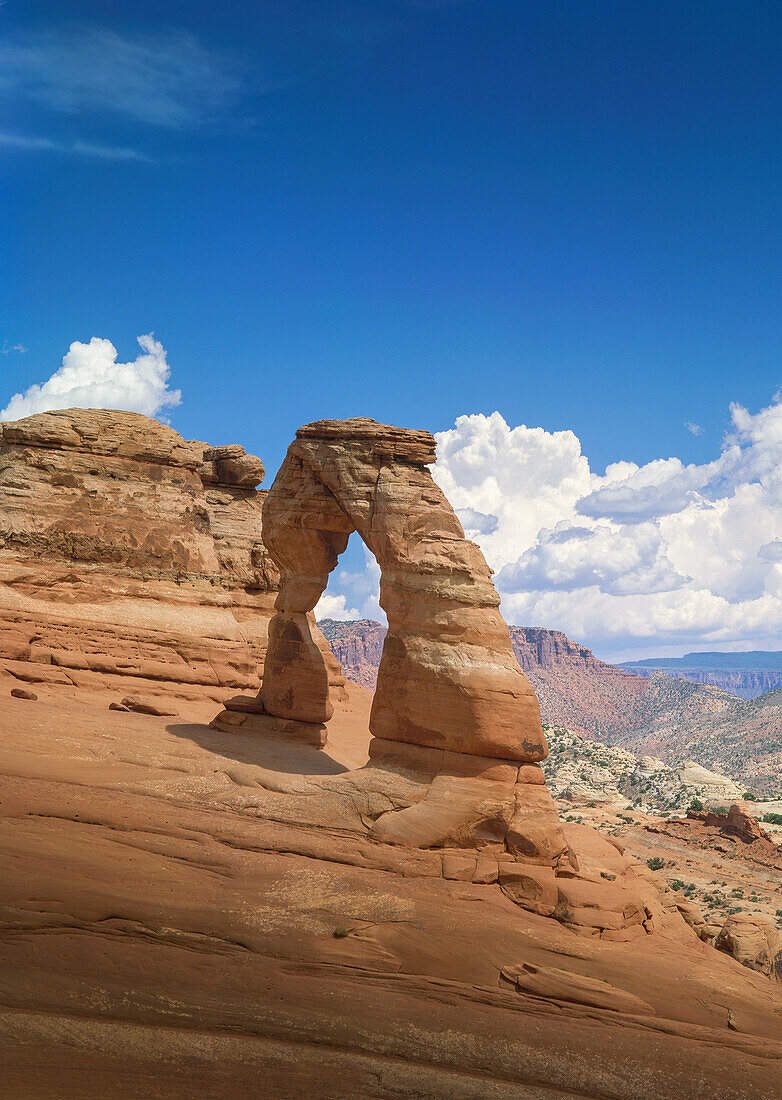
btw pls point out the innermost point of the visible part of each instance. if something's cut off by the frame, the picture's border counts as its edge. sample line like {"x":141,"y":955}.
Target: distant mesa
{"x":746,"y":674}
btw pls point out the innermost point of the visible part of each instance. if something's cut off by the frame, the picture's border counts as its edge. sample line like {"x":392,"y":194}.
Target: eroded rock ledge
{"x":128,"y":551}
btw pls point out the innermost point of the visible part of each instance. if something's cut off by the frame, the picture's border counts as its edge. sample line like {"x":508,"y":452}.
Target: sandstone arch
{"x":448,"y":677}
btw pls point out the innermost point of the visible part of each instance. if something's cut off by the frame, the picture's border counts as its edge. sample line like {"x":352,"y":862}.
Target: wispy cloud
{"x":12,"y":349}
{"x":696,"y":429}
{"x":101,"y":79}
{"x":164,"y":80}
{"x":81,"y":148}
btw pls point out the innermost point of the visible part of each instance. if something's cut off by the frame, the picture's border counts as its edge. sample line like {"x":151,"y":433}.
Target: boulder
{"x":144,"y":705}
{"x":753,"y":942}
{"x":23,"y":693}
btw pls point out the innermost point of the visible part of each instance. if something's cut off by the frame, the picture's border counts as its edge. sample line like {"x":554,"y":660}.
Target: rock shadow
{"x":271,"y":751}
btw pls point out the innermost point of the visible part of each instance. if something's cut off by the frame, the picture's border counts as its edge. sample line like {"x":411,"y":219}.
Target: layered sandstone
{"x":129,"y":552}
{"x":453,"y":763}
{"x":448,"y":678}
{"x":190,"y":910}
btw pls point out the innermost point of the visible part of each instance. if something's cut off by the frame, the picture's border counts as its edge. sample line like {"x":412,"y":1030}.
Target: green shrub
{"x":656,"y":863}
{"x":772,"y":819}
{"x":696,"y":805}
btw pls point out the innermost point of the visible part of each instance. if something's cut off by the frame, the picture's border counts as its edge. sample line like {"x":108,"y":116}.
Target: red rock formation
{"x":457,"y":735}
{"x":753,"y":942}
{"x":127,"y":551}
{"x":447,"y":678}
{"x":737,"y":822}
{"x":184,"y":907}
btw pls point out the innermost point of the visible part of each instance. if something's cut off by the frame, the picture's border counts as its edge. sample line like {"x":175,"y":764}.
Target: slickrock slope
{"x":179,"y":918}
{"x":129,"y":553}
{"x":197,"y":911}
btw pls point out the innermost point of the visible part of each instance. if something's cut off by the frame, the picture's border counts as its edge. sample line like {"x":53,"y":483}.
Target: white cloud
{"x":334,"y":606}
{"x":508,"y":483}
{"x":353,"y":595}
{"x":33,"y":144}
{"x":640,"y":557}
{"x":638,"y":560}
{"x":11,"y":349}
{"x":91,"y":378}
{"x":163,"y":80}
{"x":695,"y":429}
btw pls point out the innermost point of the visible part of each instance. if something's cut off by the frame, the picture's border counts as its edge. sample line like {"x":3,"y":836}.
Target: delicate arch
{"x":448,"y":677}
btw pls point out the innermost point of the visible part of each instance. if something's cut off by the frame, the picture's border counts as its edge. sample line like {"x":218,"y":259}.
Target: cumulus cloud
{"x":91,"y":378}
{"x":334,"y":606}
{"x":353,"y":594}
{"x":509,"y":483}
{"x":639,"y":557}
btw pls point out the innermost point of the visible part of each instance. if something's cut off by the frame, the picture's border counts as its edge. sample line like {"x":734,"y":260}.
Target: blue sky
{"x":415,"y":210}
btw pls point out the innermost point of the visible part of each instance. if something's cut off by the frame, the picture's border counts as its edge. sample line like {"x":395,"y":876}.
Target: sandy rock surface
{"x":204,"y":895}
{"x":186,"y":910}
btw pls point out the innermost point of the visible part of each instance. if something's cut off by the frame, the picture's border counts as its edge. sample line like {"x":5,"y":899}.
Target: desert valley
{"x":243,"y":855}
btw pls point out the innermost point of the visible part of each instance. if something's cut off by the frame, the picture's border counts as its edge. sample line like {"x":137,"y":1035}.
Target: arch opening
{"x":448,"y":678}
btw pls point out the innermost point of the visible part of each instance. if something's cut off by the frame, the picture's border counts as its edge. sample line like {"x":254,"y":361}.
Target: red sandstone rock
{"x":744,"y":825}
{"x":244,"y":704}
{"x":143,"y":705}
{"x":129,"y":553}
{"x":448,"y":677}
{"x":23,"y":693}
{"x":561,"y":985}
{"x":752,"y":941}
